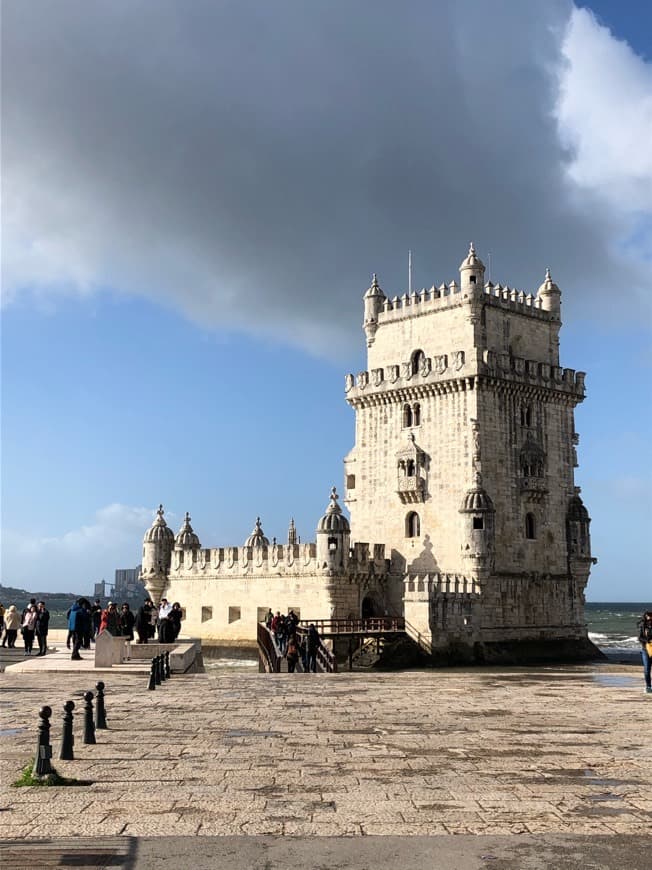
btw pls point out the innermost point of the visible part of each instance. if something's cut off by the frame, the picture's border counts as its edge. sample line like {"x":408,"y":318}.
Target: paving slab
{"x":557,"y":753}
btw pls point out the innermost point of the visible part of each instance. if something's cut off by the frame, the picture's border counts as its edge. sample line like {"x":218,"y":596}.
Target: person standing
{"x":29,"y":628}
{"x":96,"y":617}
{"x":12,"y":624}
{"x":175,"y":617}
{"x":42,"y":627}
{"x":111,"y":621}
{"x":78,"y":627}
{"x":144,"y":620}
{"x":645,"y":640}
{"x":269,"y":618}
{"x":2,"y":623}
{"x":292,"y":654}
{"x":312,"y":645}
{"x":127,"y":620}
{"x":164,"y":628}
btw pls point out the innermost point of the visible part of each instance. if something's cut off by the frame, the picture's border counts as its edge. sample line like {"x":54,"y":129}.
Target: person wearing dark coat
{"x":175,"y":617}
{"x":79,"y":626}
{"x":127,"y":620}
{"x":645,"y":640}
{"x":143,"y":621}
{"x":312,"y":647}
{"x":42,"y":626}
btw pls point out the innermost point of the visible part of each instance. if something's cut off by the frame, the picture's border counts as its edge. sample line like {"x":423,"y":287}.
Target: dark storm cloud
{"x":251,"y":162}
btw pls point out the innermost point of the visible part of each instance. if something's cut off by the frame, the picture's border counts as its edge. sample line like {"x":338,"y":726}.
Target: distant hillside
{"x":53,"y":600}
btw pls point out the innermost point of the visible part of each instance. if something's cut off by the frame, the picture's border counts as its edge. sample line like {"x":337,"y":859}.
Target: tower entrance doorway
{"x":371,"y":606}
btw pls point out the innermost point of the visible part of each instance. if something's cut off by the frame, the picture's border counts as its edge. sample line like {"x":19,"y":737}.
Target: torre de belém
{"x":464,"y":515}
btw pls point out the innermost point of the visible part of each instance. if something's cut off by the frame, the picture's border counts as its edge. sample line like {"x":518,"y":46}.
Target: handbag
{"x":648,"y":647}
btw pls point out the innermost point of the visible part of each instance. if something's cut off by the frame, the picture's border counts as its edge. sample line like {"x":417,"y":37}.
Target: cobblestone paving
{"x":549,"y":750}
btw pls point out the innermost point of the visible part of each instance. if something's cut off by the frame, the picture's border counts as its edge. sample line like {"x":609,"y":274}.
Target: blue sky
{"x":187,"y":238}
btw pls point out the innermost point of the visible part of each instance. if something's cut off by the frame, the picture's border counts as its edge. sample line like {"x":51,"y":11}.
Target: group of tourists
{"x":292,"y":644}
{"x":85,"y":621}
{"x":33,"y":623}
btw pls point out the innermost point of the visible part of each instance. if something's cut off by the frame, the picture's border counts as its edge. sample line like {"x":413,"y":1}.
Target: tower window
{"x":416,"y":415}
{"x":407,"y":416}
{"x":478,"y":522}
{"x":410,"y":470}
{"x":472,"y":279}
{"x":530,"y":527}
{"x":234,"y":614}
{"x":526,"y":415}
{"x":207,"y":613}
{"x":412,"y":525}
{"x":416,"y":361}
{"x":332,"y":544}
{"x":350,"y":481}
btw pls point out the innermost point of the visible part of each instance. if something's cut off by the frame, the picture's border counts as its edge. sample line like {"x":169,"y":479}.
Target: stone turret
{"x":186,"y":539}
{"x":550,"y":296}
{"x":472,"y":273}
{"x":577,"y":528}
{"x":478,"y":532}
{"x":292,"y":533}
{"x":257,"y":538}
{"x":373,"y":305}
{"x":158,"y":544}
{"x":333,"y":537}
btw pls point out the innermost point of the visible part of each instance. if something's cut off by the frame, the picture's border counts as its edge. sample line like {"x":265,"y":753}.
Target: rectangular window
{"x":234,"y":614}
{"x":350,"y":481}
{"x":206,"y":614}
{"x":261,"y":614}
{"x":478,"y":523}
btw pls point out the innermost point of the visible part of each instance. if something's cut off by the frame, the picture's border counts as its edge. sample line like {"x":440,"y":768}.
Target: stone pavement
{"x":493,"y":752}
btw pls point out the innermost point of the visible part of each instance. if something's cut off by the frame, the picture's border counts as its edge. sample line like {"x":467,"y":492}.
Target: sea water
{"x":613,"y":626}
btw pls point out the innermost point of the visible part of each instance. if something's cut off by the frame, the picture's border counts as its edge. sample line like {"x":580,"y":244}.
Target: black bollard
{"x":67,"y":739}
{"x":157,"y":670}
{"x":168,"y":672}
{"x":100,"y":711}
{"x":152,"y":677}
{"x":162,"y":667}
{"x":89,"y":727}
{"x":42,"y":764}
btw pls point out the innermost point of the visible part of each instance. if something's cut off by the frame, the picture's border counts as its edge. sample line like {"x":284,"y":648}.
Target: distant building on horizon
{"x":127,"y":583}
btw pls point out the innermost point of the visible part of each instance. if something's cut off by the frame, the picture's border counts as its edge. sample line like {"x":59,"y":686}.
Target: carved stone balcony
{"x":533,"y":488}
{"x":411,"y":489}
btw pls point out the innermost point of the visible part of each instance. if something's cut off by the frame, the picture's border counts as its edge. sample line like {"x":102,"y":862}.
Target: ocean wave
{"x":614,"y":640}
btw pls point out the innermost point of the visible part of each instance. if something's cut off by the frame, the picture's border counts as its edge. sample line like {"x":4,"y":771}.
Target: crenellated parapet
{"x":539,"y":374}
{"x":297,"y":559}
{"x":451,"y":371}
{"x":418,"y":587}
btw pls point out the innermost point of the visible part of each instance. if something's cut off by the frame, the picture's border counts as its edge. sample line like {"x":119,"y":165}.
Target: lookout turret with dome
{"x":158,"y":544}
{"x":333,"y":536}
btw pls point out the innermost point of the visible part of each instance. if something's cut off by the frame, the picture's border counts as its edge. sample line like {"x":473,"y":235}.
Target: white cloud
{"x":605,"y":114}
{"x":78,"y":558}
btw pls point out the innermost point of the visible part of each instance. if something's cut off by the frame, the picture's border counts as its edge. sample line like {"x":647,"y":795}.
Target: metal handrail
{"x":267,"y":648}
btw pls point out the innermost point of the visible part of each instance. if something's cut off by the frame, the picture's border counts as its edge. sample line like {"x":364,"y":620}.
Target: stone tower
{"x":464,"y":460}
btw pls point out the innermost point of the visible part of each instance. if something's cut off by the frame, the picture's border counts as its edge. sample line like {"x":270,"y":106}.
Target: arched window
{"x":412,"y":525}
{"x":416,"y":361}
{"x":416,"y":414}
{"x":526,"y":415}
{"x":407,"y":416}
{"x":410,"y":468}
{"x":530,"y":527}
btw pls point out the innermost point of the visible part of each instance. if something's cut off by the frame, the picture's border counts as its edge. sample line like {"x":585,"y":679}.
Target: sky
{"x":194,"y":197}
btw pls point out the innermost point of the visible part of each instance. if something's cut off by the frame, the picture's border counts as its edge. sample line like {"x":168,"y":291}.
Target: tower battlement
{"x":442,"y":373}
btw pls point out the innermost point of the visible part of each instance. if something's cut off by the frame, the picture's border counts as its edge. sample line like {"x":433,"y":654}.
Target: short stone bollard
{"x":42,"y":764}
{"x":89,"y":727}
{"x":168,"y":672}
{"x":67,"y":738}
{"x":152,"y":677}
{"x":100,"y":710}
{"x":162,"y":667}
{"x":157,"y":670}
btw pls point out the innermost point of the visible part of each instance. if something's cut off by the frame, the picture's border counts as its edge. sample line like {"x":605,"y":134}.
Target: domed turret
{"x":333,"y":536}
{"x":550,"y":295}
{"x":257,"y":537}
{"x":186,"y":539}
{"x":472,"y":273}
{"x":373,"y":305}
{"x":577,"y":528}
{"x":158,"y":544}
{"x":478,"y":536}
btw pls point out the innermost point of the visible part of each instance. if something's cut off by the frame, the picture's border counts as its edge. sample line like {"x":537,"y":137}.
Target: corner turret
{"x":186,"y":539}
{"x":472,"y":273}
{"x":333,"y":537}
{"x":550,"y":296}
{"x":478,"y":529}
{"x":257,"y":538}
{"x":373,"y":305}
{"x":158,"y":544}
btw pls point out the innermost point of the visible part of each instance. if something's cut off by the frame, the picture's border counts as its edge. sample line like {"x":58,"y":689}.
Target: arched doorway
{"x":371,"y":606}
